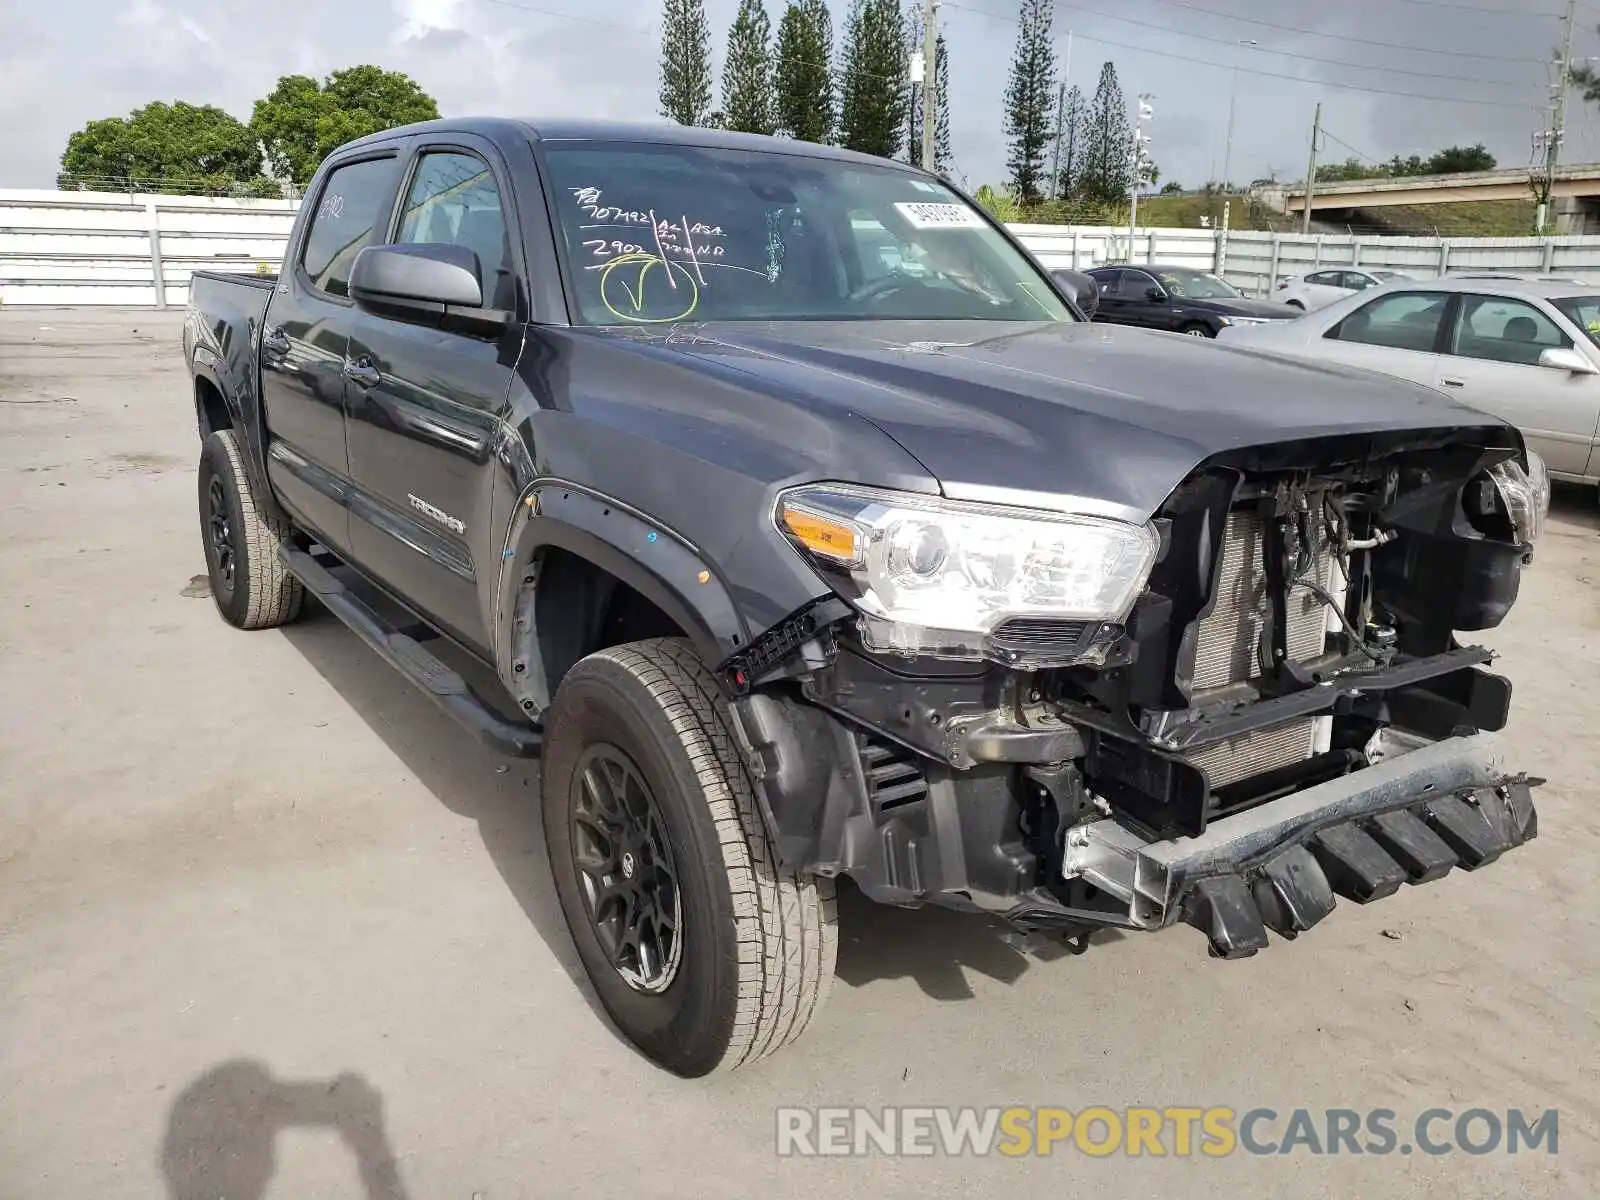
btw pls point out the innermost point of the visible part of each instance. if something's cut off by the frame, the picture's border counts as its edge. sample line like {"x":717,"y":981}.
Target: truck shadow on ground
{"x":934,"y":947}
{"x":222,"y":1131}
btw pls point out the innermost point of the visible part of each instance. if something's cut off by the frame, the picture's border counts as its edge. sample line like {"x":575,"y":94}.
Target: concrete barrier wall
{"x":83,"y":248}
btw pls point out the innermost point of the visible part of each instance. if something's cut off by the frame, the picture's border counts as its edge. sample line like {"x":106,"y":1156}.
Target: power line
{"x":1210,"y":62}
{"x":1335,"y":62}
{"x":1333,"y":137}
{"x":1343,"y":37}
{"x":1501,"y":12}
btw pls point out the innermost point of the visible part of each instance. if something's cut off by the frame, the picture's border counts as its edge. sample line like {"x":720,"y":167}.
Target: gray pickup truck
{"x":807,"y":530}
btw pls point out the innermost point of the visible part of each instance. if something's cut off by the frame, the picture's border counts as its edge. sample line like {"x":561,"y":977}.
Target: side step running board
{"x":402,"y":652}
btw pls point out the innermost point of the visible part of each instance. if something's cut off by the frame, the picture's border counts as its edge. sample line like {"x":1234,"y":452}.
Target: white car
{"x":1321,"y":288}
{"x":1525,"y":351}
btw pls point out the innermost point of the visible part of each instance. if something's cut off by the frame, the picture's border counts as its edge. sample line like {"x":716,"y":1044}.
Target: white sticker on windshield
{"x":921,"y":215}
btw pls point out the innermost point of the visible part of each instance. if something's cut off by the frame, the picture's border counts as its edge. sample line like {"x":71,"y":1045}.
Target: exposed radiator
{"x":1229,"y":646}
{"x":1228,"y":642}
{"x":1258,"y":752}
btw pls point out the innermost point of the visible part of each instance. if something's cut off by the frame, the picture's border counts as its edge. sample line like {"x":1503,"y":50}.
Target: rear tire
{"x":251,"y":586}
{"x":749,"y":960}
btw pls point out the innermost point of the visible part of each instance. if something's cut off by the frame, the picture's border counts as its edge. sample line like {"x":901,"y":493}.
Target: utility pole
{"x":1558,"y":125}
{"x":930,"y":84}
{"x":1140,"y":137}
{"x":1061,"y":112}
{"x":1311,"y":170}
{"x":1233,"y":104}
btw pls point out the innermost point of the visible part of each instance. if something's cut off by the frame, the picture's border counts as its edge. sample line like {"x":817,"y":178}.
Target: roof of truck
{"x":568,"y":129}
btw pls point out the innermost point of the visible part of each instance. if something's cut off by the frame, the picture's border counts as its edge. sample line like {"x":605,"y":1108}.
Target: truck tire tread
{"x":273,"y":596}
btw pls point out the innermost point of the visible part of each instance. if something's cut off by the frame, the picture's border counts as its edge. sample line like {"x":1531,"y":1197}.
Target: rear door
{"x":1398,"y":334}
{"x":1113,"y":304}
{"x":1324,"y":287}
{"x":303,"y":344}
{"x":1491,"y":362}
{"x":423,"y":404}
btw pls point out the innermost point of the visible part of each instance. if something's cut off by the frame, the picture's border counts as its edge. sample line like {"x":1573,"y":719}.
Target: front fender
{"x":659,"y":563}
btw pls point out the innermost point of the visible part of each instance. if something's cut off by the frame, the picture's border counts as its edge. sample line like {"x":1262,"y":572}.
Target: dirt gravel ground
{"x":270,"y":925}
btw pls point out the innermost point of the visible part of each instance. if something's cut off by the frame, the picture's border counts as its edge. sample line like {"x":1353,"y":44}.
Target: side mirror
{"x":429,"y":283}
{"x":1155,"y":295}
{"x":1566,"y":358}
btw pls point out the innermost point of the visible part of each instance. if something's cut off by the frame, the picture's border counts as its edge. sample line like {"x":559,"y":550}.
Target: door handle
{"x":1448,"y":382}
{"x":362,"y":373}
{"x":275,"y":341}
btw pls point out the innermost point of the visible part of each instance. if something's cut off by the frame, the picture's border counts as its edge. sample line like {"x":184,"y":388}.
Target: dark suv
{"x":1179,"y":300}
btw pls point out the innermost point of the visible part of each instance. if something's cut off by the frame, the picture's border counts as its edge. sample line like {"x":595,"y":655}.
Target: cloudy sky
{"x":65,"y":62}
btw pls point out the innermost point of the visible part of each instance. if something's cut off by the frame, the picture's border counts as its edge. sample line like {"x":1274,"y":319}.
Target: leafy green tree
{"x":747,"y":74}
{"x":685,"y":62}
{"x":179,"y":146}
{"x":300,"y":122}
{"x":1074,"y":143}
{"x":1457,"y":160}
{"x":872,"y":111}
{"x":1108,"y":144}
{"x":804,"y":82}
{"x":1030,"y":101}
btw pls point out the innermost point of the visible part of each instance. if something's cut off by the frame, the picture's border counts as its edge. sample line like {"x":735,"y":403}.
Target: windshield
{"x":1386,"y":276}
{"x":1584,"y":312}
{"x":656,"y":233}
{"x":1197,"y":285}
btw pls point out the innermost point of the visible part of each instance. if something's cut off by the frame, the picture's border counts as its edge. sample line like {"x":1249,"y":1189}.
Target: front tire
{"x":704,"y":950}
{"x":1196,"y":331}
{"x":251,"y":586}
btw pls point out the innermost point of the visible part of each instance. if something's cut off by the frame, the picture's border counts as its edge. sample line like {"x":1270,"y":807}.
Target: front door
{"x":1397,"y":334}
{"x":423,"y":405}
{"x":1493,"y":364}
{"x":303,"y":346}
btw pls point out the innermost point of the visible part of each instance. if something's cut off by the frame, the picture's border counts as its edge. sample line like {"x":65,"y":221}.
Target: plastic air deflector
{"x":405,"y":654}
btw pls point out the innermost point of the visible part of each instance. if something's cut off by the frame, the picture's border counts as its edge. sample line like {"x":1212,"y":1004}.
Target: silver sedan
{"x":1526,"y":351}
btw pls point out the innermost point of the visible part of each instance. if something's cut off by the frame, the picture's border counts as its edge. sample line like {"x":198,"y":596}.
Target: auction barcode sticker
{"x":925,"y":215}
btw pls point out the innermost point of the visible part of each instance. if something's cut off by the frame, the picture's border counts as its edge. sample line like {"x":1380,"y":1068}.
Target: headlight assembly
{"x":937,"y":577}
{"x":1526,"y":494}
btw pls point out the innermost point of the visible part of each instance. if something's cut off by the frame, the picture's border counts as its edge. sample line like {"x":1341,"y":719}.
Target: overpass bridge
{"x":1575,"y":196}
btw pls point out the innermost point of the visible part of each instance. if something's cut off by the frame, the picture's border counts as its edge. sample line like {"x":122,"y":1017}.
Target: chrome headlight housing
{"x":933,"y":576}
{"x":1243,"y":321}
{"x":1526,"y":495}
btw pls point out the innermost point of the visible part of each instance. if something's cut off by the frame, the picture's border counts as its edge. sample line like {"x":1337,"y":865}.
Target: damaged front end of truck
{"x":1227,"y":715}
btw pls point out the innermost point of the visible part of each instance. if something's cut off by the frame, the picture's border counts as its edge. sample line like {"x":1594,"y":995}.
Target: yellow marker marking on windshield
{"x":631,"y":309}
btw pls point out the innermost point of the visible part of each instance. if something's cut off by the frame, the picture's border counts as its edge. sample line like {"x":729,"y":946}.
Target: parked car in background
{"x":1530,"y":278}
{"x":1528,"y":352}
{"x":1321,"y":288}
{"x":1179,"y":299}
{"x":1082,"y":287}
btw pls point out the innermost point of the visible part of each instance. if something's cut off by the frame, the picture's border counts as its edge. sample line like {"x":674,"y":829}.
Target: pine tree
{"x":804,"y":81}
{"x":1030,"y":101}
{"x":685,"y":62}
{"x":872,"y":84}
{"x":1108,"y":144}
{"x":1074,"y":139}
{"x":747,"y":74}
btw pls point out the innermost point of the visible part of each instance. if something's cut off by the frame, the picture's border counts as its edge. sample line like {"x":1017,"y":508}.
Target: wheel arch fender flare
{"x":661,"y":565}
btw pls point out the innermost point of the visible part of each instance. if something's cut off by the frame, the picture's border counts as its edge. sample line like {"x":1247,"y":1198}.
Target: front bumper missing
{"x":1279,"y":866}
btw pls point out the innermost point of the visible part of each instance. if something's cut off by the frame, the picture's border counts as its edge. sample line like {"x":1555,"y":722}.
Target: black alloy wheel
{"x":219,"y":527}
{"x":625,"y":869}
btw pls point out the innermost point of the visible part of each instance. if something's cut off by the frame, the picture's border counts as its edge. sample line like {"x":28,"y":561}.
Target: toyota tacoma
{"x":805,"y":529}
